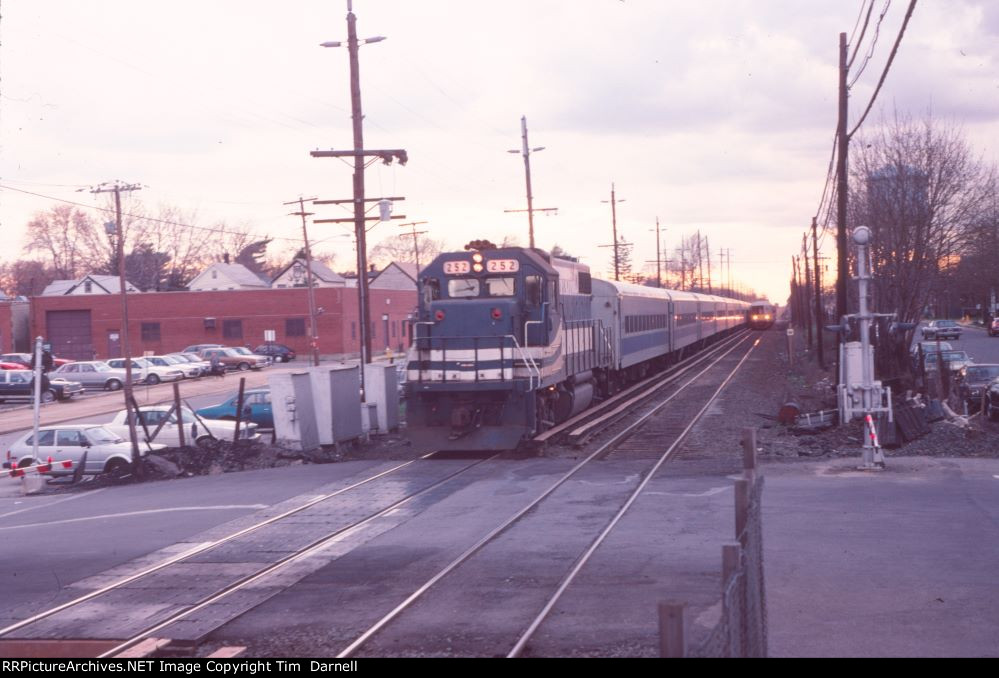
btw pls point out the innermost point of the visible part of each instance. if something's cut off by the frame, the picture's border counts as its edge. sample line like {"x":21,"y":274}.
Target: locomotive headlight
{"x":477,"y":268}
{"x":477,"y":257}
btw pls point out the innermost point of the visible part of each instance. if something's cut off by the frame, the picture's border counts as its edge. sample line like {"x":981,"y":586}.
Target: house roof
{"x":237,"y":273}
{"x":319,"y":269}
{"x":57,"y":287}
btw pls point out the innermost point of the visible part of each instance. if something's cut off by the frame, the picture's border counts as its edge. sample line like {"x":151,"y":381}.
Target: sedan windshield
{"x":982,"y":373}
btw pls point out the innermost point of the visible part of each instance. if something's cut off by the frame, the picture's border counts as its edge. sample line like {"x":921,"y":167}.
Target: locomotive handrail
{"x":528,"y":360}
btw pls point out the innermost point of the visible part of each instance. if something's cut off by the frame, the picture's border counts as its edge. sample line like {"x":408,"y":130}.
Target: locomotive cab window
{"x":532,"y":289}
{"x":462,"y":287}
{"x":500,"y":287}
{"x":431,"y":289}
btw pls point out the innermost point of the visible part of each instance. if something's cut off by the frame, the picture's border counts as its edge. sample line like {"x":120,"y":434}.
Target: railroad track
{"x":534,"y":571}
{"x":214,"y":570}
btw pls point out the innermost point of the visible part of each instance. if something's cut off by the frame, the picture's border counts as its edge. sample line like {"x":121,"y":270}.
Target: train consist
{"x":762,"y":315}
{"x":511,"y":341}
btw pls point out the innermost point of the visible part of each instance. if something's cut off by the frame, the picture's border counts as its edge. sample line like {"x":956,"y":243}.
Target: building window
{"x":232,"y":329}
{"x":294,"y":327}
{"x":88,"y":287}
{"x":150,"y":331}
{"x":353,"y":330}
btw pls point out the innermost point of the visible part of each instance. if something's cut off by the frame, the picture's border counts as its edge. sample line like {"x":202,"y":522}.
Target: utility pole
{"x":795,"y":300}
{"x":416,"y":245}
{"x":117,"y":189}
{"x":659,"y":273}
{"x":819,"y":315}
{"x":526,"y":152}
{"x":613,"y":203}
{"x":808,"y":288}
{"x":700,"y":264}
{"x":313,"y":325}
{"x":359,"y":154}
{"x":683,"y":266}
{"x":842,"y":188}
{"x":707,"y":252}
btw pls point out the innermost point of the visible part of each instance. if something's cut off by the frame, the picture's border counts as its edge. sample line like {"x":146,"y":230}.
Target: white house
{"x":222,"y":276}
{"x":396,"y":276}
{"x":296,"y":275}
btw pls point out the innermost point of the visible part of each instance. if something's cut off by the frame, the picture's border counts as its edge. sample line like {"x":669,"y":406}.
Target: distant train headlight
{"x":439,"y":315}
{"x":496,"y":314}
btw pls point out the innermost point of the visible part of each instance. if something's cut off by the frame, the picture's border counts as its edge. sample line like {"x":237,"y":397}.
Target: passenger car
{"x":187,"y":369}
{"x":234,"y":360}
{"x":19,"y":385}
{"x":106,"y":452}
{"x":92,"y":374}
{"x":12,"y":366}
{"x":973,"y":380}
{"x":279,"y":352}
{"x":942,"y":329}
{"x":193,"y":359}
{"x":992,"y":400}
{"x":955,"y":359}
{"x":145,"y":371}
{"x":256,"y":408}
{"x":198,"y":348}
{"x":994,"y":328}
{"x":197,"y":432}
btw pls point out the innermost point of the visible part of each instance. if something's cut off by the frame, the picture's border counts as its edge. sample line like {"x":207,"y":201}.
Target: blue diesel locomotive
{"x":510,"y":341}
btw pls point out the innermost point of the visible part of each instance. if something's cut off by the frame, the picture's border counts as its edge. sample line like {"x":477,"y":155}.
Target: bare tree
{"x":59,"y":235}
{"x":400,"y":248}
{"x":920,"y":190}
{"x":27,"y":277}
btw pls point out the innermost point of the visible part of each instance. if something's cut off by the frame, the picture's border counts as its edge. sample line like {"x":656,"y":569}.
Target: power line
{"x":867,"y":19}
{"x":884,"y":73}
{"x":208,"y":229}
{"x":874,"y":42}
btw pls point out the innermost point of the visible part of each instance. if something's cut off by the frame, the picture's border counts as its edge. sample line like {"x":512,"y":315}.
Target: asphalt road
{"x":50,"y":541}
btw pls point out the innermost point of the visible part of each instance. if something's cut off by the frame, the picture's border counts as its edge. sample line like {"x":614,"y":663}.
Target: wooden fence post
{"x":672,"y":638}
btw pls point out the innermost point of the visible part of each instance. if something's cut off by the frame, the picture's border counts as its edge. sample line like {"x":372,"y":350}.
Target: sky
{"x":716,"y":116}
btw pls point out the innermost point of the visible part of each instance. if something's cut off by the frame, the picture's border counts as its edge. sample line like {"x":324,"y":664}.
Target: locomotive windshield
{"x":463,"y":287}
{"x":500,"y":287}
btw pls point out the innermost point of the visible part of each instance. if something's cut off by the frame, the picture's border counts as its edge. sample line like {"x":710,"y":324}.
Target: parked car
{"x":147,"y":373}
{"x":187,"y":369}
{"x":256,"y":408}
{"x":12,"y":366}
{"x":20,"y":385}
{"x":198,"y":348}
{"x":242,"y":350}
{"x":93,"y":374}
{"x":973,"y":380}
{"x":25,"y":359}
{"x":196,"y":432}
{"x":106,"y":452}
{"x":942,"y":329}
{"x":994,"y":328}
{"x":233,"y":360}
{"x":193,"y":359}
{"x":992,"y":400}
{"x":279,"y":352}
{"x":924,"y":347}
{"x":955,"y":360}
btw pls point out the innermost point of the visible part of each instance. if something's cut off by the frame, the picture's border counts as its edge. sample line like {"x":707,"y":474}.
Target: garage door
{"x":70,"y":335}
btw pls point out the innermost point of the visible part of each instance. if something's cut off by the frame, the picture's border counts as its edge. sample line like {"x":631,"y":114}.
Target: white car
{"x":147,"y":373}
{"x":189,"y":370}
{"x":106,"y":452}
{"x":195,"y":432}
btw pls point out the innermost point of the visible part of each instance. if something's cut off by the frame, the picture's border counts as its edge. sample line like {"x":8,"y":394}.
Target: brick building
{"x":88,"y":326}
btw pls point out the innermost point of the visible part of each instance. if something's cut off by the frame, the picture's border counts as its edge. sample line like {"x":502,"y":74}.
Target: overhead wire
{"x":884,"y":73}
{"x":860,"y":40}
{"x":874,"y":42}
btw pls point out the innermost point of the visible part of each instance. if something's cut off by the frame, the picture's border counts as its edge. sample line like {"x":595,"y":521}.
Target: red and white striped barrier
{"x":873,"y":431}
{"x":38,"y":468}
